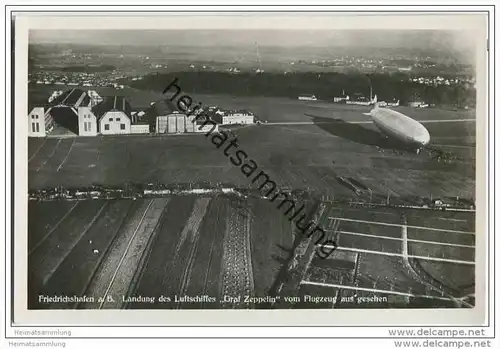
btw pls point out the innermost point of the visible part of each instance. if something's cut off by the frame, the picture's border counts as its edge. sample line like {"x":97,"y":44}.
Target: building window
{"x":122,"y":126}
{"x":106,"y":127}
{"x":117,"y":119}
{"x":87,"y":126}
{"x":36,"y":116}
{"x":33,"y":127}
{"x":110,"y":119}
{"x":37,"y":127}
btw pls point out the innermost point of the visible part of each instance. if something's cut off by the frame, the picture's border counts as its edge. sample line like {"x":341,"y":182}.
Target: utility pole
{"x":258,"y":56}
{"x":371,"y":89}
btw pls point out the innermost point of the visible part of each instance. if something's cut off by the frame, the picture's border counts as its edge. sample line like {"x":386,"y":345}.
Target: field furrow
{"x":45,"y":218}
{"x":236,"y":270}
{"x":192,"y":233}
{"x":121,"y":280}
{"x":49,"y":255}
{"x":158,"y":276}
{"x":208,"y":260}
{"x":85,"y":258}
{"x":112,"y":262}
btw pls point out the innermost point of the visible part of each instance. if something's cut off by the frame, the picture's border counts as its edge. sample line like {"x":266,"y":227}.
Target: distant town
{"x":103,"y":66}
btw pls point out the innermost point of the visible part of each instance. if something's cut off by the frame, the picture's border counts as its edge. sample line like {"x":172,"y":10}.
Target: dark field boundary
{"x":324,"y":85}
{"x":134,"y":191}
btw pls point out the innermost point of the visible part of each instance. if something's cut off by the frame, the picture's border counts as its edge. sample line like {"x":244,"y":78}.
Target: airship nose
{"x":424,"y":137}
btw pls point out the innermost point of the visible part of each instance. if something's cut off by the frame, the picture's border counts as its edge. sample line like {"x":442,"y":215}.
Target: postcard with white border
{"x":259,"y":168}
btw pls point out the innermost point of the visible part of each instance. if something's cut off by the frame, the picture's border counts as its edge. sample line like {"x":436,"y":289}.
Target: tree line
{"x":324,"y":86}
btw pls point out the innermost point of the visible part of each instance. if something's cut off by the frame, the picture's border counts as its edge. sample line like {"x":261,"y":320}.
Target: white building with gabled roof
{"x":114,"y":116}
{"x":36,"y":119}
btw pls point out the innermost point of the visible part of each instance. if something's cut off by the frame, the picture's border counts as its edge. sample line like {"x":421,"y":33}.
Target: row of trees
{"x":324,"y":85}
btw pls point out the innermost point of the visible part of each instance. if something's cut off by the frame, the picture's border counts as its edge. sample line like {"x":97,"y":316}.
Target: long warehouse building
{"x":163,"y":117}
{"x":180,"y":123}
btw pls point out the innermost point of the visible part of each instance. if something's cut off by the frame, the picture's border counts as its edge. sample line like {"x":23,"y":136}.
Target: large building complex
{"x":84,"y":113}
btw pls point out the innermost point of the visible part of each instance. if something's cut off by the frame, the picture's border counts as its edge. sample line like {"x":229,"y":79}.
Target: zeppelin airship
{"x":400,"y":127}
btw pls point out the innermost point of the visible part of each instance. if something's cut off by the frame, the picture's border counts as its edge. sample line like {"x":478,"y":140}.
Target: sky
{"x":367,"y":38}
{"x":459,"y":43}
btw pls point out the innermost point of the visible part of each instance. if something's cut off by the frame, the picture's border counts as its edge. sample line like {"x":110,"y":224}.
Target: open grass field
{"x":317,"y":159}
{"x":378,"y":254}
{"x":359,"y":221}
{"x":357,"y":242}
{"x":269,"y":250}
{"x":442,"y":251}
{"x":392,"y":276}
{"x":48,"y":256}
{"x":83,"y":258}
{"x":463,"y":276}
{"x":326,"y":148}
{"x":451,"y":220}
{"x":45,"y":218}
{"x":454,"y":228}
{"x":271,"y":109}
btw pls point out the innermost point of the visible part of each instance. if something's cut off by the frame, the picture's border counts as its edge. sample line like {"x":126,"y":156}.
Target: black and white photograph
{"x":257,"y":169}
